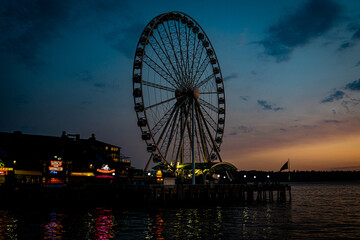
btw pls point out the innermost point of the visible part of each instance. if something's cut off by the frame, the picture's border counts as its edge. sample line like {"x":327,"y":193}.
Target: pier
{"x":217,"y":193}
{"x":151,"y":195}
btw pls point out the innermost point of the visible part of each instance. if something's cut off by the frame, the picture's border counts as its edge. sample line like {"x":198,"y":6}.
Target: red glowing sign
{"x":56,"y":166}
{"x":57,"y":169}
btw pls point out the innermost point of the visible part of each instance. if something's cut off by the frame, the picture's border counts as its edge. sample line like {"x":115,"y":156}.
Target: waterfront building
{"x":57,"y":161}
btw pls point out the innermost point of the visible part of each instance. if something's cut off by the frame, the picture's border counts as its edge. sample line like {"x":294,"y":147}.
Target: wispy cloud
{"x":355,"y":85}
{"x":245,"y":129}
{"x":332,"y":121}
{"x":337,"y":95}
{"x":267,"y":106}
{"x":340,"y":94}
{"x":355,"y":38}
{"x":313,"y":19}
{"x":229,"y":77}
{"x":244,"y":98}
{"x":99,"y":85}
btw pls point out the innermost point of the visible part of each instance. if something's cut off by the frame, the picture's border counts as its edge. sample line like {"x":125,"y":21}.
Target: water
{"x":317,"y":211}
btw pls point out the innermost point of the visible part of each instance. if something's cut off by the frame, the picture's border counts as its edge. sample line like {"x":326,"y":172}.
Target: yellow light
{"x":159,"y":174}
{"x":86,"y":174}
{"x":105,"y":171}
{"x":6,"y":169}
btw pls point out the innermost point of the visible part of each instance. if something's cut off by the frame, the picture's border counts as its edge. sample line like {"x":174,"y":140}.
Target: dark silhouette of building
{"x":55,"y":160}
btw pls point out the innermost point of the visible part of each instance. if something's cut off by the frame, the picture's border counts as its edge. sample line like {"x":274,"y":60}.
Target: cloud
{"x":124,"y":40}
{"x":267,"y":106}
{"x":229,"y":77}
{"x":337,"y":95}
{"x":99,"y":85}
{"x":349,"y":104}
{"x":357,"y":64}
{"x":356,"y":35}
{"x":331,"y":121}
{"x":245,"y":129}
{"x":355,"y":38}
{"x":233,"y":134}
{"x":346,"y":45}
{"x":244,"y":98}
{"x":26,"y":25}
{"x":313,"y":19}
{"x":355,"y":85}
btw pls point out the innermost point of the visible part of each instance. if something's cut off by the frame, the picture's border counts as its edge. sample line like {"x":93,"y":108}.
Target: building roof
{"x":220,"y":166}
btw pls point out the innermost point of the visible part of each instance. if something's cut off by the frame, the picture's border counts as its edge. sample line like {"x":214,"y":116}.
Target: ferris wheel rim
{"x":149,"y":28}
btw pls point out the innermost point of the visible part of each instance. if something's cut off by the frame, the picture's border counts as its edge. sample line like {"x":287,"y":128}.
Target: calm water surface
{"x":317,"y":211}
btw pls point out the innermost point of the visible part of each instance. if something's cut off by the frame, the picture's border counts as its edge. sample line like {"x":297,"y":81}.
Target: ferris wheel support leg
{"x":148,"y":162}
{"x":182,"y":135}
{"x":193,"y":142}
{"x":202,"y":139}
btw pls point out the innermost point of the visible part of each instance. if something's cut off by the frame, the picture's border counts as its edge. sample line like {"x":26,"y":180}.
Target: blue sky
{"x":292,"y":71}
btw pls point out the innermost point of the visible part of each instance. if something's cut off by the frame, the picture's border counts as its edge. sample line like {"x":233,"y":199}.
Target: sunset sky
{"x":291,"y":71}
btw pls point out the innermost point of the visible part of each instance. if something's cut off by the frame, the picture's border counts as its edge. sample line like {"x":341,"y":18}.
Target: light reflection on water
{"x":317,"y":211}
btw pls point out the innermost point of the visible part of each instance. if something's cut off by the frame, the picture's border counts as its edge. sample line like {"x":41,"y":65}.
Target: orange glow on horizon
{"x":329,"y":154}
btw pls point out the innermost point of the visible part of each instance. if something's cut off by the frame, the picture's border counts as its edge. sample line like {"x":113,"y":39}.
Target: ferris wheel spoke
{"x":208,"y":105}
{"x":168,"y":66}
{"x":205,"y":63}
{"x":214,"y":145}
{"x":162,"y":135}
{"x":166,"y":118}
{"x":163,"y":102}
{"x":159,"y":86}
{"x":206,"y":80}
{"x":208,"y":93}
{"x":174,"y":128}
{"x":164,"y":51}
{"x":183,"y":127}
{"x":195,"y":48}
{"x":171,"y":41}
{"x":168,"y":49}
{"x":209,"y":119}
{"x":155,"y":129}
{"x":198,"y":57}
{"x":200,"y":152}
{"x":179,"y":34}
{"x":187,"y":51}
{"x":202,"y":136}
{"x":159,"y":70}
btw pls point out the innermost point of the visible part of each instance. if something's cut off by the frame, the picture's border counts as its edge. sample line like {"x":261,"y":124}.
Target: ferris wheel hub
{"x":196,"y":92}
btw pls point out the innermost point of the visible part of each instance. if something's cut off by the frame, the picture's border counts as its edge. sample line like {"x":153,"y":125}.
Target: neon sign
{"x":56,"y":166}
{"x":105,"y":169}
{"x":3,"y":169}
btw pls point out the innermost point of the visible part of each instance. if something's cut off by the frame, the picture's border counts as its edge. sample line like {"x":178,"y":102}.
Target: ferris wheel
{"x":178,"y":92}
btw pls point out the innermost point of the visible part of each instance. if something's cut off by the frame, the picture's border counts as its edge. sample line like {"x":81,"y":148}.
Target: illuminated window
{"x":106,"y":148}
